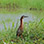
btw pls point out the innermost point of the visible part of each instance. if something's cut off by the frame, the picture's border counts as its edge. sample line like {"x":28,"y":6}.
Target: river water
{"x":9,"y":18}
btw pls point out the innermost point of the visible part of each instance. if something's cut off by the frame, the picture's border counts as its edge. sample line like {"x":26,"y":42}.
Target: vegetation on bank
{"x":33,"y":33}
{"x":21,"y":6}
{"x":25,"y":4}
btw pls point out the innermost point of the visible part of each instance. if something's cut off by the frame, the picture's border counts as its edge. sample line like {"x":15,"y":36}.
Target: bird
{"x":20,"y":29}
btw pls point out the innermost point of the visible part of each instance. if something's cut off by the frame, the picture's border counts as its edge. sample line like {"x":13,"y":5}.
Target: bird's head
{"x":23,"y":17}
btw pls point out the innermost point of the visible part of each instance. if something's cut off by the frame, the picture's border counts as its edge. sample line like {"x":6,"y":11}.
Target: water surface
{"x":9,"y":18}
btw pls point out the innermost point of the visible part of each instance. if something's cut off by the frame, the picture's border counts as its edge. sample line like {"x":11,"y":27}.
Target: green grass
{"x":24,"y":3}
{"x":33,"y":33}
{"x":14,"y":5}
{"x":21,"y":6}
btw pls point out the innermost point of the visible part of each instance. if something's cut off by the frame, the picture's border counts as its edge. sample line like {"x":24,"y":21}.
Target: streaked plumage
{"x":20,"y":29}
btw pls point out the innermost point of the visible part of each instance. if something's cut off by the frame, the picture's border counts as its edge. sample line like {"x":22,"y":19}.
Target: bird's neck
{"x":21,"y":23}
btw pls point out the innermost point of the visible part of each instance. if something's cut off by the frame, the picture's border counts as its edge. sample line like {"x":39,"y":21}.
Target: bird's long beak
{"x":25,"y":16}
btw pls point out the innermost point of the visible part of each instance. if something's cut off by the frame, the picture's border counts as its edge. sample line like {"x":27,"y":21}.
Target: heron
{"x":20,"y":29}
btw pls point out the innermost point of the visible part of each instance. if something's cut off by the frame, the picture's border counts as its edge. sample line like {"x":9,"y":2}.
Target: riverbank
{"x":16,"y":6}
